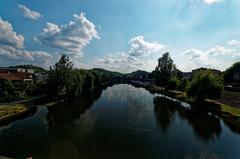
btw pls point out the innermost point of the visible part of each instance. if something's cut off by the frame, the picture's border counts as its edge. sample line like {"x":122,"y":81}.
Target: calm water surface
{"x":121,"y":122}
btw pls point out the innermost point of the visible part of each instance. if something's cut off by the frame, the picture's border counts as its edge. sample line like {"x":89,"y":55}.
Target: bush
{"x":205,"y":84}
{"x":183,"y":84}
{"x":173,"y":83}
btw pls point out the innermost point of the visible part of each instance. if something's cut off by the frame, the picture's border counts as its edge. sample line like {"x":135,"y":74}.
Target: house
{"x":16,"y":74}
{"x":189,"y":75}
{"x":23,"y":70}
{"x":41,"y":76}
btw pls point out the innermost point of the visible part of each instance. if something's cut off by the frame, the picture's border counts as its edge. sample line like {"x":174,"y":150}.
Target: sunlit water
{"x":121,"y":122}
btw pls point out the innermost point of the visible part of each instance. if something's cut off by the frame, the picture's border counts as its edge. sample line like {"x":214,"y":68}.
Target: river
{"x":120,"y":122}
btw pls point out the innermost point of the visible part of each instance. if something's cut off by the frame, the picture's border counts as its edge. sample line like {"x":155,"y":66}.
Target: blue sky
{"x":121,"y":35}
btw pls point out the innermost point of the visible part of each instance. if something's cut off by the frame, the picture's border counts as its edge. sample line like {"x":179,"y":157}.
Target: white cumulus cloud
{"x":215,"y":57}
{"x":137,"y":57}
{"x":219,"y":50}
{"x":140,"y":47}
{"x":119,"y":62}
{"x":233,"y":42}
{"x":8,"y":36}
{"x":211,"y":1}
{"x":12,"y":47}
{"x":71,"y":37}
{"x":28,"y":13}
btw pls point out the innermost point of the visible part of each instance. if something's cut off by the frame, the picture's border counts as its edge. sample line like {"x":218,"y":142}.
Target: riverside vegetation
{"x":66,"y":81}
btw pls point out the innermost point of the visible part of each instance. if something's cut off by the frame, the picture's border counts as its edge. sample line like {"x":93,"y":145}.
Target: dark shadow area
{"x":61,"y":117}
{"x":35,"y":134}
{"x":205,"y":124}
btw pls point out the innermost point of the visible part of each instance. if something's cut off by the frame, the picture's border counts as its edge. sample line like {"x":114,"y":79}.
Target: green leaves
{"x":165,"y":70}
{"x":205,"y":84}
{"x":66,"y":81}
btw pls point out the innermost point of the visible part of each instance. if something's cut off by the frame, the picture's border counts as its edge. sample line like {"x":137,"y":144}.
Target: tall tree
{"x":164,"y":70}
{"x":60,"y":76}
{"x":229,"y":73}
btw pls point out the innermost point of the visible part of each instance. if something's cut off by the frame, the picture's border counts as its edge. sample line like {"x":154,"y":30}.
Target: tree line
{"x":204,"y":83}
{"x":64,"y":80}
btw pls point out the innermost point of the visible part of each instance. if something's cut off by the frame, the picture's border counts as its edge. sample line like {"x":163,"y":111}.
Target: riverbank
{"x":226,"y":109}
{"x":11,"y":112}
{"x":18,"y":109}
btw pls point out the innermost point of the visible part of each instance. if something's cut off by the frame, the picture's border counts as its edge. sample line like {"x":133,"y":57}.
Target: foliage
{"x":66,"y":81}
{"x":173,"y":83}
{"x":183,"y":84}
{"x":60,"y":76}
{"x":139,"y":74}
{"x":106,"y":73}
{"x":15,"y":91}
{"x":36,"y":69}
{"x":165,"y":70}
{"x":204,"y":85}
{"x":229,"y":73}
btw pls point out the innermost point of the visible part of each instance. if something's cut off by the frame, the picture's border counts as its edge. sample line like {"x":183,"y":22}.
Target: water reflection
{"x":205,"y":125}
{"x":61,"y":117}
{"x":120,"y":123}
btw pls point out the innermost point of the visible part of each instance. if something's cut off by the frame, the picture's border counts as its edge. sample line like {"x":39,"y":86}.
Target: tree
{"x":173,"y":83}
{"x":183,"y":84}
{"x":60,"y":76}
{"x":164,"y":70}
{"x":204,"y":85}
{"x":229,"y":73}
{"x":89,"y":81}
{"x":76,"y":84}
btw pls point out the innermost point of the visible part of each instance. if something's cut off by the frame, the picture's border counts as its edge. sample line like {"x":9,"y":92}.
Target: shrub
{"x":183,"y":84}
{"x":173,"y":83}
{"x":205,"y":84}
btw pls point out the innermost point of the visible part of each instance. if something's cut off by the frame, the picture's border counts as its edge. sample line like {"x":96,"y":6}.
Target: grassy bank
{"x":226,"y":110}
{"x":14,"y":111}
{"x":11,"y":112}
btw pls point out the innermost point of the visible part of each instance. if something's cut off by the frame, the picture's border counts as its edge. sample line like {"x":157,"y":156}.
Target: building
{"x":16,"y":74}
{"x":189,"y":75}
{"x":23,"y":70}
{"x":41,"y":76}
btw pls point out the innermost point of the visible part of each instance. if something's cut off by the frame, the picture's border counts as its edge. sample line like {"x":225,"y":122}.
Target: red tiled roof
{"x":15,"y":76}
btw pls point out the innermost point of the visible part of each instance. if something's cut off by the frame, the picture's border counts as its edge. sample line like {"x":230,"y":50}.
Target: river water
{"x":120,"y":122}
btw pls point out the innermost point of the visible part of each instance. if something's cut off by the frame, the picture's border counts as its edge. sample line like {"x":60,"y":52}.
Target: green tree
{"x":60,"y":76}
{"x":229,"y":73}
{"x":204,"y":85}
{"x":6,"y":86}
{"x":164,"y":70}
{"x":89,"y":81}
{"x":98,"y":79}
{"x":76,"y":84}
{"x":173,"y":83}
{"x":183,"y":84}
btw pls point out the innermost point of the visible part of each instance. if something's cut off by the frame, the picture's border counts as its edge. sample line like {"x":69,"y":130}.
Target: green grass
{"x":226,"y":108}
{"x":10,"y":111}
{"x":50,"y":104}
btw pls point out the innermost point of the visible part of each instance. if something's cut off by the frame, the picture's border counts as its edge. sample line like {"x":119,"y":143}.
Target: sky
{"x":124,"y":36}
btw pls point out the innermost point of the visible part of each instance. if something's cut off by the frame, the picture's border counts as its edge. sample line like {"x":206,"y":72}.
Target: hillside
{"x":108,"y":73}
{"x":36,"y":69}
